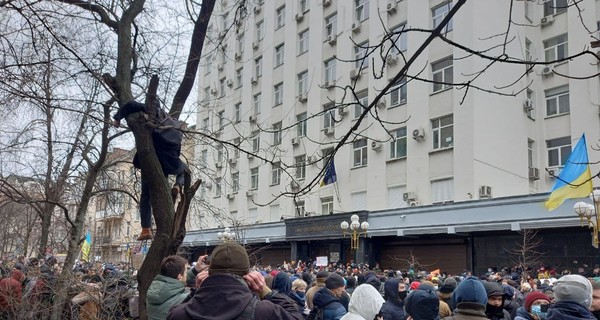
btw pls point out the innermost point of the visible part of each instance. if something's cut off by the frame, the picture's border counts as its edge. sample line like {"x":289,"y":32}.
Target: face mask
{"x":402,"y":295}
{"x":537,"y":310}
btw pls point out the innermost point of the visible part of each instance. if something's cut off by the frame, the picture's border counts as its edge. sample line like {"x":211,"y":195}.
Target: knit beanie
{"x":469,"y":290}
{"x":449,"y":286}
{"x":334,"y":281}
{"x":321,"y":276}
{"x":532,"y":297}
{"x":573,"y":288}
{"x":229,"y":257}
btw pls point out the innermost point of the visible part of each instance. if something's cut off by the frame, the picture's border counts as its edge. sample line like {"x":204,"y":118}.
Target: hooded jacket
{"x":495,"y":313}
{"x":423,"y":304}
{"x":522,"y":314}
{"x":470,"y":298}
{"x":365,"y":303}
{"x":310,"y":293}
{"x":332,"y":308}
{"x":10,"y":290}
{"x":393,"y":308}
{"x":283,"y":283}
{"x":163,"y":293}
{"x":224,"y":297}
{"x":566,"y":310}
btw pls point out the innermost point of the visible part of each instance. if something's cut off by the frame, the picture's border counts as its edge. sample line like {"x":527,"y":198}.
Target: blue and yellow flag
{"x":330,"y":175}
{"x":575,"y":179}
{"x":85,"y":247}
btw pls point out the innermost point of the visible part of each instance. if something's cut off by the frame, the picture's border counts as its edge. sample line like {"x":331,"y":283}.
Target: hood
{"x":422,"y":304}
{"x":164,"y":288}
{"x":568,"y":311}
{"x":282,"y":283}
{"x":493,"y":289}
{"x":323,"y":297}
{"x":469,"y":290}
{"x":521,"y":312}
{"x":366,"y":301}
{"x":391,"y":290}
{"x":226,"y":293}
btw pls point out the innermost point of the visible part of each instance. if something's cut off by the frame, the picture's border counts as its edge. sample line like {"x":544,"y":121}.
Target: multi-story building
{"x":459,"y":127}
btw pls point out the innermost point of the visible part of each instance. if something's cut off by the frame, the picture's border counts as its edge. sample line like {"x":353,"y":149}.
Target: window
{"x":205,"y":124}
{"x":398,"y":93}
{"x":255,"y":141}
{"x":218,"y":187}
{"x":238,"y":77}
{"x":360,"y":56}
{"x":278,"y":90}
{"x":442,"y":191}
{"x":240,"y":43}
{"x":256,"y":103}
{"x":279,"y":55}
{"x":303,"y":42}
{"x":559,"y":151}
{"x":253,"y":178}
{"x":330,"y":70}
{"x":260,"y":30}
{"x":442,"y":74}
{"x":208,"y":64}
{"x":237,"y":112}
{"x":235,"y":182}
{"x":557,"y":101}
{"x":530,"y":148}
{"x":222,"y":88}
{"x":528,"y":12}
{"x":360,"y":152}
{"x":220,"y":154}
{"x":276,"y":173}
{"x":280,"y":19}
{"x":326,"y":205}
{"x":361,"y":9}
{"x":556,"y":48}
{"x":530,"y":97}
{"x":301,"y":127}
{"x":303,"y":83}
{"x":300,"y":208}
{"x":398,"y":145}
{"x":361,"y":103}
{"x":303,"y":5}
{"x":528,"y":54}
{"x":300,"y":164}
{"x":258,"y":67}
{"x":277,"y":133}
{"x":331,"y":25}
{"x":400,"y":40}
{"x":552,"y":7}
{"x":329,"y":116}
{"x":326,"y":154}
{"x":443,"y":132}
{"x":204,"y":158}
{"x":236,"y":152}
{"x":439,"y":13}
{"x":225,"y":21}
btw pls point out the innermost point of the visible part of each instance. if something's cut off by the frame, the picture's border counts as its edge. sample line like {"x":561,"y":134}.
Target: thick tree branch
{"x":95,"y":9}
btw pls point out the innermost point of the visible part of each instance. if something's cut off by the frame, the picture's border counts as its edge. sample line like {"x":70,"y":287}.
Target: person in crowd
{"x":327,"y":298}
{"x":495,"y":303}
{"x":320,"y":283}
{"x":299,"y":291}
{"x":573,"y":295}
{"x":395,"y":294}
{"x":365,"y":304}
{"x":532,"y":309}
{"x":445,"y":291}
{"x":231,"y":291}
{"x":350,"y":284}
{"x":423,"y":303}
{"x":470,"y":299}
{"x":10,"y":294}
{"x":167,"y":288}
{"x":595,"y":308}
{"x":283,"y":284}
{"x":510,"y":303}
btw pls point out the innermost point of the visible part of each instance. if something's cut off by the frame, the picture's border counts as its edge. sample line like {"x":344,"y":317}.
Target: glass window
{"x":205,"y":124}
{"x":442,"y":191}
{"x":258,"y":67}
{"x":237,"y":112}
{"x":255,"y":141}
{"x":260,"y":30}
{"x":225,"y":21}
{"x":530,"y":97}
{"x":240,"y":43}
{"x":400,"y":40}
{"x":279,"y":55}
{"x":530,"y":148}
{"x":236,"y":152}
{"x":329,"y":116}
{"x":238,"y":77}
{"x":208,"y":63}
{"x":276,"y":173}
{"x":331,"y":25}
{"x":303,"y":42}
{"x":256,"y":102}
{"x":326,"y":154}
{"x":528,"y":54}
{"x":277,"y":133}
{"x":559,"y":151}
{"x":360,"y":152}
{"x":222,"y":88}
{"x":300,"y":209}
{"x":360,"y":56}
{"x":398,"y":93}
{"x":218,"y":187}
{"x":204,"y":158}
{"x":330,"y":70}
{"x":278,"y":90}
{"x":303,"y":83}
{"x":557,"y":101}
{"x":326,"y":205}
{"x":221,"y":119}
{"x":528,"y":12}
{"x":280,"y":20}
{"x":361,"y":103}
{"x":303,"y":5}
{"x":443,"y":132}
{"x":235,"y":182}
{"x":220,"y":154}
{"x":301,"y":127}
{"x":552,"y":7}
{"x":439,"y":13}
{"x":398,"y":145}
{"x":442,"y":74}
{"x":361,"y":9}
{"x":300,"y":164}
{"x":253,"y":178}
{"x":556,"y":48}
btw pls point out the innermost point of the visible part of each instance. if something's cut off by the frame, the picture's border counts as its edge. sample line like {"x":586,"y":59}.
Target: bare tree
{"x":526,"y":253}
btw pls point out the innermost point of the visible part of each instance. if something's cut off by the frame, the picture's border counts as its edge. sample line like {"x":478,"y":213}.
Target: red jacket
{"x":10,"y":290}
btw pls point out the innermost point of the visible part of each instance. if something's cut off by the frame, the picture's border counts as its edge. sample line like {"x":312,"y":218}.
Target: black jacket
{"x":393,"y":308}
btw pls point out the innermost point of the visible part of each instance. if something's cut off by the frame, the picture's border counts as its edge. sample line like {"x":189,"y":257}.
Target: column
{"x":293,"y":250}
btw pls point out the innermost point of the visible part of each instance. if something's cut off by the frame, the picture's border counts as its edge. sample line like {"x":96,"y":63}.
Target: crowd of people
{"x":225,"y":286}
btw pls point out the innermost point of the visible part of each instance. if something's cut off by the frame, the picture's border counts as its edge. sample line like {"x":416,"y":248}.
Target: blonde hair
{"x":299,"y":284}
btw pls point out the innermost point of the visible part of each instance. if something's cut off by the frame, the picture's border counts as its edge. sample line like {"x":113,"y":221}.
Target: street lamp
{"x":226,"y":235}
{"x":354,"y":225}
{"x":588,"y":214}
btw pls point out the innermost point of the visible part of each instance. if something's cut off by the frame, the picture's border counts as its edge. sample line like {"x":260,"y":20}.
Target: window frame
{"x":276,"y":174}
{"x":400,"y":91}
{"x":555,"y":94}
{"x":438,"y":16}
{"x":361,"y":60}
{"x":326,"y":205}
{"x":360,"y":153}
{"x":329,"y":115}
{"x":279,"y":55}
{"x":563,"y":151}
{"x":302,"y":82}
{"x":331,"y":25}
{"x":440,"y":68}
{"x":437,"y":131}
{"x":239,"y":73}
{"x":361,"y":10}
{"x":255,"y":141}
{"x":253,"y":179}
{"x":400,"y":43}
{"x":399,"y":144}
{"x":278,"y":94}
{"x":330,"y":70}
{"x":260,"y":30}
{"x":360,"y":104}
{"x":280,"y":17}
{"x":303,"y":41}
{"x":556,"y":48}
{"x":300,"y":166}
{"x":256,"y":103}
{"x":301,"y":126}
{"x":277,"y":134}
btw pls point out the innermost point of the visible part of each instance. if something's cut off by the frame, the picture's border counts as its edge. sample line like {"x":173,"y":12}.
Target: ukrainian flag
{"x":575,"y":179}
{"x":330,"y":175}
{"x":85,"y":247}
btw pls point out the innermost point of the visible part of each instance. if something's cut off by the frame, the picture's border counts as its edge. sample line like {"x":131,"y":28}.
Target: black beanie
{"x":334,"y":281}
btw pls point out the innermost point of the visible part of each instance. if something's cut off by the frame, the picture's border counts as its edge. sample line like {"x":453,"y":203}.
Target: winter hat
{"x":321,"y":276}
{"x":532,"y":296}
{"x":449,"y":286}
{"x":229,"y":257}
{"x":422,"y":304}
{"x":414,"y":285}
{"x":493,"y":289}
{"x":334,"y":281}
{"x":470,"y":290}
{"x":574,"y":288}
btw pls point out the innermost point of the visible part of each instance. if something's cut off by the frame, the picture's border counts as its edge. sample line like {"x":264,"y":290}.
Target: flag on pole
{"x":330,"y":175}
{"x":575,"y":179}
{"x":85,"y":247}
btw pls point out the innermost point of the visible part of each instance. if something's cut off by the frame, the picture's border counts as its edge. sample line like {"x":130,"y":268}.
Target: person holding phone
{"x":535,"y":307}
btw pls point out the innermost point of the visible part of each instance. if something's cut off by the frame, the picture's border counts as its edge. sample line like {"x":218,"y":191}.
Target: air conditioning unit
{"x":254,"y":80}
{"x":256,"y":10}
{"x":237,"y":56}
{"x":326,"y":3}
{"x":213,"y":91}
{"x":391,"y":7}
{"x":230,"y":196}
{"x":534,"y":174}
{"x":249,"y":194}
{"x":229,"y":83}
{"x":485,"y":192}
{"x":414,"y":203}
{"x":303,"y":97}
{"x":354,"y":74}
{"x":329,"y":130}
{"x":220,"y":67}
{"x":528,"y":105}
{"x":554,"y":172}
{"x":418,"y":134}
{"x":547,"y":71}
{"x":311,"y":159}
{"x":546,"y":21}
{"x":329,"y":84}
{"x":376,"y":145}
{"x":299,"y":16}
{"x":294,"y":185}
{"x":295,"y":141}
{"x":233,"y":161}
{"x":342,"y":110}
{"x":409,"y":196}
{"x":252,"y":118}
{"x":356,"y":26}
{"x":391,"y":60}
{"x":218,"y":165}
{"x":255,"y":45}
{"x":331,"y":39}
{"x":381,"y":104}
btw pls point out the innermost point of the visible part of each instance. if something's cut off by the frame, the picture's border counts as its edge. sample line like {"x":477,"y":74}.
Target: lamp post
{"x":588,"y":214}
{"x":355,"y":225}
{"x":226,"y":235}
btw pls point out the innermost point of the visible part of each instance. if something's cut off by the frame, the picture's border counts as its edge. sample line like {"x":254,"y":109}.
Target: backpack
{"x":248,"y":313}
{"x":318,"y":313}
